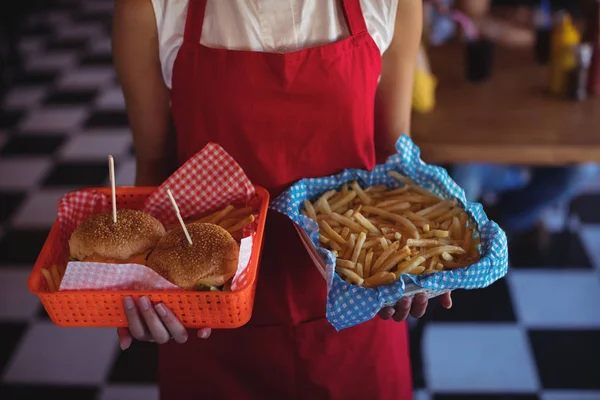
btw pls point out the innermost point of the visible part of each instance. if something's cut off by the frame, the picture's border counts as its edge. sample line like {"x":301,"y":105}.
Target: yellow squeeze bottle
{"x":423,"y":98}
{"x":563,"y":59}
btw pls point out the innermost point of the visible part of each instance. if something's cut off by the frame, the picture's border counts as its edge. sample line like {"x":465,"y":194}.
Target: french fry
{"x":352,"y":276}
{"x":55,"y":276}
{"x":364,"y":197}
{"x":347,"y":222}
{"x":438,"y":251}
{"x":384,"y":256}
{"x":331,"y":234}
{"x":365,"y":223}
{"x":358,"y":246}
{"x":416,"y":270}
{"x":423,"y":243}
{"x":49,"y":280}
{"x":240,"y":225}
{"x":394,"y":259}
{"x":310,"y":210}
{"x":345,"y":264}
{"x":447,"y":257}
{"x":218,"y":217}
{"x":368,"y":263}
{"x":380,"y":279}
{"x":409,"y":264}
{"x":360,"y":270}
{"x":395,"y":217}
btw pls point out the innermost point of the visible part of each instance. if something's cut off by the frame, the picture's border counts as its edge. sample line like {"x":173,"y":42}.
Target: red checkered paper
{"x":209,"y":181}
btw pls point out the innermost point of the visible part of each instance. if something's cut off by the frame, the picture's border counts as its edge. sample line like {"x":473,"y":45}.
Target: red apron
{"x":284,"y":117}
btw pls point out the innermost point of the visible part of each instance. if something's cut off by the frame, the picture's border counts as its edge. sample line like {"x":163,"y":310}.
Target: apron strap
{"x":354,"y":17}
{"x":194,"y":20}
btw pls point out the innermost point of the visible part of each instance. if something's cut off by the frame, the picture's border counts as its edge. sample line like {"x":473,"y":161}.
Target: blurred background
{"x":505,"y":97}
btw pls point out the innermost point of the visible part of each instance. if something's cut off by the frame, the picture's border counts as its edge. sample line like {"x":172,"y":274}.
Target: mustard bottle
{"x":565,"y":38}
{"x":423,"y":97}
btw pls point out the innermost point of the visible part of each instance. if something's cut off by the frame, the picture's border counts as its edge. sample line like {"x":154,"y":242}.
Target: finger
{"x":137,"y":328}
{"x":386,"y":313}
{"x":446,"y":300}
{"x":204,"y":333}
{"x":419,"y":305}
{"x":157,"y":329}
{"x":402,"y":309}
{"x":125,"y":338}
{"x":170,"y":321}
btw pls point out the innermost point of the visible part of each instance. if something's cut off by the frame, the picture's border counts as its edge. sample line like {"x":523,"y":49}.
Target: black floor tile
{"x":35,"y":78}
{"x":587,"y":207}
{"x":9,"y":203}
{"x":107,"y":119}
{"x":136,"y":365}
{"x":565,"y":251}
{"x":19,"y":246}
{"x":77,"y":175}
{"x":31,"y":392}
{"x":9,"y":119}
{"x":492,"y":304}
{"x":32,"y":144}
{"x":567,"y":359}
{"x":11,"y":335}
{"x":94,"y":60}
{"x":71,"y":97}
{"x":67,"y":44}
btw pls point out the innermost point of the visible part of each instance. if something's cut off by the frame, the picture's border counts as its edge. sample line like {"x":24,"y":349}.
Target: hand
{"x":156,"y":324}
{"x":415,"y":307}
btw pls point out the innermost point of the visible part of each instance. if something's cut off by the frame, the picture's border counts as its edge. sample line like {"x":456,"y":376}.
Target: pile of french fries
{"x":230,"y":218}
{"x":379,"y":234}
{"x":54,"y":276}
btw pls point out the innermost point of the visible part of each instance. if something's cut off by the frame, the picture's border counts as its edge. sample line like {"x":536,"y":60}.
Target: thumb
{"x":125,"y":338}
{"x":204,"y":333}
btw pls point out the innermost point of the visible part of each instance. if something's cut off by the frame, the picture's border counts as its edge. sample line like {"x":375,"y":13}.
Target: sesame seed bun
{"x":99,"y":239}
{"x":211,"y":260}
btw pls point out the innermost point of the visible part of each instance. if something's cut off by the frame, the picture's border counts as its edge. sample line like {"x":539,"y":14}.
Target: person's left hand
{"x":415,"y":307}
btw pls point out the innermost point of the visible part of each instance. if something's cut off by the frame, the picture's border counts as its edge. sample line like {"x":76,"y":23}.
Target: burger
{"x":207,"y":263}
{"x":129,"y":240}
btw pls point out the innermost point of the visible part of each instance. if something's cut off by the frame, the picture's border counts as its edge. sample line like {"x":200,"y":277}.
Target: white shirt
{"x":279,"y":26}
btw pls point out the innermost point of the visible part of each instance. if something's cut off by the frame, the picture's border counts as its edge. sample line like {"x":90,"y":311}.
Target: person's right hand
{"x":152,"y":323}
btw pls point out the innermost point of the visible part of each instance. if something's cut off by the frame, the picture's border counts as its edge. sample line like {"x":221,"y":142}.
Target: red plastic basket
{"x":88,"y":308}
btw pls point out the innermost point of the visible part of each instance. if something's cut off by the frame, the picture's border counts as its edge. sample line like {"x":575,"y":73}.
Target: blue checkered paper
{"x":349,"y":305}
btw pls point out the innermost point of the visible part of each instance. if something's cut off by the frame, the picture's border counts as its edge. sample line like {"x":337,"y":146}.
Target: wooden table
{"x":509,"y":119}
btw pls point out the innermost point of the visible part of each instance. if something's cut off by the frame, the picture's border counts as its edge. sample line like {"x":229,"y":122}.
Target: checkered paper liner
{"x":349,"y":305}
{"x":208,"y":181}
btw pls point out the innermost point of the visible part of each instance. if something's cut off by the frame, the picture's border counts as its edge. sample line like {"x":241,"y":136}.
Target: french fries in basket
{"x":379,"y":234}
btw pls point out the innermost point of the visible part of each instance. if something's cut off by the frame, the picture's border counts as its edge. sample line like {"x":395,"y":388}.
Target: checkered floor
{"x":534,"y":335}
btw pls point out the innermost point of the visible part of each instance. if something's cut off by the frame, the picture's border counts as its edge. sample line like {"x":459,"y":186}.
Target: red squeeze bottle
{"x":593,"y":37}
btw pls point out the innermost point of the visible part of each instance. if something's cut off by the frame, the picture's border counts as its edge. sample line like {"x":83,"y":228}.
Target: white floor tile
{"x":53,"y":355}
{"x":31,"y":46}
{"x":111,"y":99}
{"x":39,"y":210}
{"x":23,"y":172}
{"x":55,"y":119}
{"x":24,"y":97}
{"x":554,"y":299}
{"x":78,"y":31}
{"x":101,"y":46}
{"x":125,"y":173}
{"x":590,"y":235}
{"x":570,"y":395}
{"x":87,"y":78}
{"x":471,"y":358}
{"x":89,"y":146}
{"x":17,"y":302}
{"x":130,"y":392}
{"x":52,"y":61}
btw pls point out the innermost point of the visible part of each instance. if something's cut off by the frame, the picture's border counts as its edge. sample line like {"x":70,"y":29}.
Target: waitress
{"x":291,"y":89}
